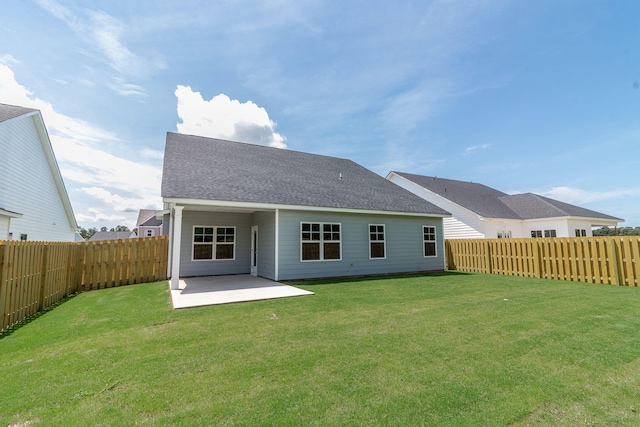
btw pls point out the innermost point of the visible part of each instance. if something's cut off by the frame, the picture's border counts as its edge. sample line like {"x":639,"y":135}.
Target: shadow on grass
{"x":11,"y":329}
{"x":357,"y":279}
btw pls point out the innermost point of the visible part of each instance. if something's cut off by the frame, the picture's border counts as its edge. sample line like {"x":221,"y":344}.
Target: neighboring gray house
{"x":112,"y":235}
{"x":34,"y":204}
{"x":239,"y":208}
{"x":148,"y":224}
{"x":480,"y":212}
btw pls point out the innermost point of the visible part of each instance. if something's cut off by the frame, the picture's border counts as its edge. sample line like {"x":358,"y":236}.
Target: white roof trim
{"x":162,"y":213}
{"x":273,"y":207}
{"x":53,"y":165}
{"x":575,"y":218}
{"x":10,"y":214}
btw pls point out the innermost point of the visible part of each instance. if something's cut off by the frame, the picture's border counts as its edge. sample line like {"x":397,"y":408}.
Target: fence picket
{"x":34,"y":275}
{"x":608,"y":260}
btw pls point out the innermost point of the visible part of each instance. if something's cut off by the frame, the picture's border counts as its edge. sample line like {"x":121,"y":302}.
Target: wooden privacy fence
{"x":35,"y":275}
{"x":610,"y":260}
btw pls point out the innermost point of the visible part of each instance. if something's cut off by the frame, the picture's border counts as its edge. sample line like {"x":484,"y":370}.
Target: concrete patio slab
{"x":211,"y":290}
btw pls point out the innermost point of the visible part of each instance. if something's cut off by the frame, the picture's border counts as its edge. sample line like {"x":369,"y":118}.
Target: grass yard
{"x":438,"y":350}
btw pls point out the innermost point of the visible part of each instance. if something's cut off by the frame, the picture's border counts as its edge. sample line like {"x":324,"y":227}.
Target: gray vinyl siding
{"x":266,"y":243}
{"x":404,"y":245}
{"x":241,"y":263}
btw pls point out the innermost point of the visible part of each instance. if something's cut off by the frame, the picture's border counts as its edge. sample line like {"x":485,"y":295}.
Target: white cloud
{"x":7,"y":58}
{"x":97,"y":217}
{"x":577,"y":196}
{"x":150,"y":154}
{"x":127,"y":89}
{"x":470,"y":150}
{"x":81,"y":150}
{"x":118,"y":202}
{"x":104,"y":34}
{"x":222,"y":117}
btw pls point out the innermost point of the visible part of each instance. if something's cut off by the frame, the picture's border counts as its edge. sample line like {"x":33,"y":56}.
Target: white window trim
{"x":321,"y":241}
{"x":384,"y":241}
{"x":435,"y":241}
{"x":213,"y":244}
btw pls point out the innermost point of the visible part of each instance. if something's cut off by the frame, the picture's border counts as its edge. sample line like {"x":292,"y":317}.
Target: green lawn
{"x":445,"y":350}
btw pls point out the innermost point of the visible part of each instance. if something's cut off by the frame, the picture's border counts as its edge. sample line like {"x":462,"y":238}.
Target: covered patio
{"x":212,"y":290}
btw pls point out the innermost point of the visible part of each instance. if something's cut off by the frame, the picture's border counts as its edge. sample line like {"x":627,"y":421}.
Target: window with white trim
{"x":149,"y":233}
{"x":320,"y":241}
{"x":581,"y":232}
{"x":376,"y":241}
{"x":214,"y":243}
{"x":549,"y":233}
{"x":504,"y":234}
{"x":429,"y":239}
{"x":536,"y":233}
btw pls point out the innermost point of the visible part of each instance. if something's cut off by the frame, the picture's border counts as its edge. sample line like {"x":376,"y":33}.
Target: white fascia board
{"x":162,"y":213}
{"x":53,"y":165}
{"x":10,"y":214}
{"x":273,"y":207}
{"x":599,"y":221}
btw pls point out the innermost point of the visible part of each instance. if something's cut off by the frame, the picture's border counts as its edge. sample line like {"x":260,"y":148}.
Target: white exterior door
{"x":254,"y":250}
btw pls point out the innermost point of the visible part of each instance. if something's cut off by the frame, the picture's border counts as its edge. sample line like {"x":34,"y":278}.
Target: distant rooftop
{"x":491,"y":203}
{"x":12,"y":111}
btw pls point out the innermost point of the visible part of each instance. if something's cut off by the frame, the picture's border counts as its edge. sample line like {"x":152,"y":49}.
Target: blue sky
{"x":523,"y":96}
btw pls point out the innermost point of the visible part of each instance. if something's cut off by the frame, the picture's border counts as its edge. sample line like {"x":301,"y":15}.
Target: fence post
{"x":43,"y":277}
{"x":537,"y":261}
{"x":616,"y":271}
{"x":4,"y":279}
{"x":488,"y":256}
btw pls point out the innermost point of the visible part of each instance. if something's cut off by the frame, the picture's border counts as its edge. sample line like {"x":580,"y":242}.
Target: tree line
{"x":86,"y":233}
{"x":622,"y":231}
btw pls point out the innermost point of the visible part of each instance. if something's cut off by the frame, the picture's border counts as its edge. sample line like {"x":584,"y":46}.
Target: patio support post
{"x":177,"y":237}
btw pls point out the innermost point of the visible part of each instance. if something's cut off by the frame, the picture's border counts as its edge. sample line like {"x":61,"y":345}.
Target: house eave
{"x":10,"y":214}
{"x":256,"y":206}
{"x":594,"y":221}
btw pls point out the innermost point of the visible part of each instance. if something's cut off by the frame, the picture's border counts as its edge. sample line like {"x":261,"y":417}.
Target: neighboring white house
{"x":34,"y":204}
{"x":148,"y":224}
{"x":483,"y":212}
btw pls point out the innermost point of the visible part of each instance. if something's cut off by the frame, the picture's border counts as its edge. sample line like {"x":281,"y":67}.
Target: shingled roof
{"x":12,"y":111}
{"x":213,"y":169}
{"x":532,"y":206}
{"x":491,"y":203}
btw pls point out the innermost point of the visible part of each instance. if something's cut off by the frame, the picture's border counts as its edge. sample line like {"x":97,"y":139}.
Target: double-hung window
{"x":581,"y":232}
{"x":376,"y":241}
{"x":214,"y":243}
{"x":549,"y":233}
{"x":429,"y":239}
{"x":320,"y":241}
{"x":536,"y":233}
